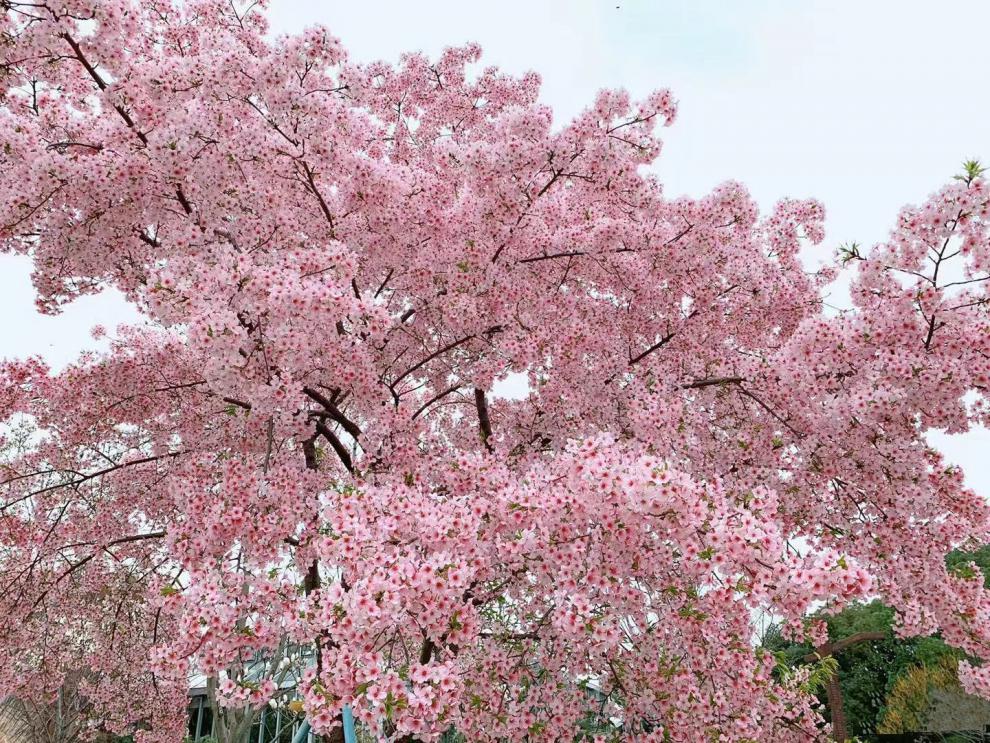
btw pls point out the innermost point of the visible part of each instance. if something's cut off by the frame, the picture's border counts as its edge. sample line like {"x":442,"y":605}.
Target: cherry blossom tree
{"x":300,"y":465}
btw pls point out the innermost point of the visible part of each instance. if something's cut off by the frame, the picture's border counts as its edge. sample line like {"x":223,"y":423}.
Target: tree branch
{"x":449,"y":347}
{"x":338,"y":447}
{"x":656,"y":346}
{"x":333,"y":411}
{"x":711,"y":382}
{"x":484,"y":421}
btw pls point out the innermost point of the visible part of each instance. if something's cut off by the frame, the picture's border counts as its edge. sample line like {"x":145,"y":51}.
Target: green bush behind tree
{"x":868,"y":672}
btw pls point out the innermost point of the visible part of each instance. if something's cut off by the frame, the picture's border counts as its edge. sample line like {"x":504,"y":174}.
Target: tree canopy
{"x":298,"y":472}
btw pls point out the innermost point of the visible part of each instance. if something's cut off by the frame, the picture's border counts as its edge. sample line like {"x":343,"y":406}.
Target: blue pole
{"x":302,"y":733}
{"x":350,"y":734}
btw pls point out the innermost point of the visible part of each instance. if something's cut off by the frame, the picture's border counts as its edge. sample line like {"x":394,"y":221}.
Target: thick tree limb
{"x":333,"y":411}
{"x":484,"y":421}
{"x":338,"y":446}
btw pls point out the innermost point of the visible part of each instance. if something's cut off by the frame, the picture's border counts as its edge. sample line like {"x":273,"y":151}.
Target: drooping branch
{"x":88,"y":558}
{"x":440,"y":351}
{"x":436,"y":398}
{"x":82,"y":477}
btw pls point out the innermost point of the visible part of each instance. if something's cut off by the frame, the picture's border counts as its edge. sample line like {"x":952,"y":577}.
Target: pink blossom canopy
{"x":305,"y":444}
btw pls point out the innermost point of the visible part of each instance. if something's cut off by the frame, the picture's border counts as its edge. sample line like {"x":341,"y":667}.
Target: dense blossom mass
{"x":299,"y":467}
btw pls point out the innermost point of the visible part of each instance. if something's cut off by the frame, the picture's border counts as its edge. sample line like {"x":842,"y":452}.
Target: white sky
{"x":863,"y":105}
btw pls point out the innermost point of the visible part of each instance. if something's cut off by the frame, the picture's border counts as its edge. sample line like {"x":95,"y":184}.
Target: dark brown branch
{"x":135,"y":538}
{"x":124,"y":114}
{"x":311,"y":581}
{"x":552,"y":256}
{"x":831,"y":648}
{"x":711,"y":382}
{"x":556,"y":175}
{"x":435,"y":398}
{"x":86,"y":560}
{"x":61,"y":147}
{"x":333,"y":411}
{"x":148,"y":239}
{"x":484,"y":421}
{"x":771,"y":411}
{"x":656,"y":346}
{"x":183,"y":201}
{"x":440,"y":351}
{"x":579,"y":253}
{"x":84,"y":478}
{"x":426,"y":653}
{"x":319,"y":197}
{"x":338,"y":446}
{"x":384,"y":283}
{"x":237,"y":403}
{"x":119,"y":108}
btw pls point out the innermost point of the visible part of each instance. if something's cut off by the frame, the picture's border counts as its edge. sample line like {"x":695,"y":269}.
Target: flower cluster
{"x":296,"y":477}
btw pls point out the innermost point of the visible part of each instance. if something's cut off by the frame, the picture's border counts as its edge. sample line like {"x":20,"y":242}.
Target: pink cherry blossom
{"x":298,"y":468}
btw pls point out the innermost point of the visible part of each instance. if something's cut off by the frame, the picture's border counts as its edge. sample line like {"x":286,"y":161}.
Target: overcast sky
{"x":863,"y":105}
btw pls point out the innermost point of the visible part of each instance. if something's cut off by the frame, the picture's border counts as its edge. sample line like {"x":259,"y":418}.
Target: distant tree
{"x":869,"y":672}
{"x":910,"y":698}
{"x":966,"y":563}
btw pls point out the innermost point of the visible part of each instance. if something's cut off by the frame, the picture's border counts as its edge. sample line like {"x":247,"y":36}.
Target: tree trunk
{"x":839,"y":729}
